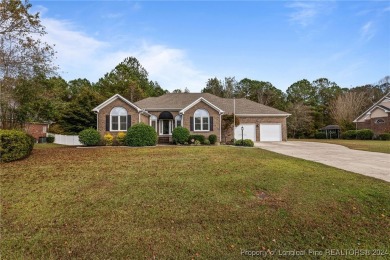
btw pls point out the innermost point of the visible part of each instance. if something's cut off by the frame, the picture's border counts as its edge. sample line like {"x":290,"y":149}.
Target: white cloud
{"x":83,"y":56}
{"x":305,"y":12}
{"x":367,"y":31}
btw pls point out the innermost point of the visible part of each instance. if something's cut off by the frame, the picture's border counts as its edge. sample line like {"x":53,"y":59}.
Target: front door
{"x":165,"y":127}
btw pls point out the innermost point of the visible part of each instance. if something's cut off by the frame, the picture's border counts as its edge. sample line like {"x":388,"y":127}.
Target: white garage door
{"x":270,"y":132}
{"x":249,"y":132}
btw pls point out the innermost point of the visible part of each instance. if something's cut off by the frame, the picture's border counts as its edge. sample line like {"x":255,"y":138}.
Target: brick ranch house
{"x":201,"y":113}
{"x":377,"y":117}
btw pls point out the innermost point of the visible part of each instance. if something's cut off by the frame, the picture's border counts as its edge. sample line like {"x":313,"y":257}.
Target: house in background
{"x":377,"y":117}
{"x":201,"y":113}
{"x":37,"y":130}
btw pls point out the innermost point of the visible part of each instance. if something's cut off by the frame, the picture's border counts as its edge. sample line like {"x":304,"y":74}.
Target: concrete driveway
{"x":372,"y":164}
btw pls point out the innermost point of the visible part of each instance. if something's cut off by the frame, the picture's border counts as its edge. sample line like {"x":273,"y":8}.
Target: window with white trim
{"x":118,"y":118}
{"x":201,"y":120}
{"x":153,"y":122}
{"x":178,"y":120}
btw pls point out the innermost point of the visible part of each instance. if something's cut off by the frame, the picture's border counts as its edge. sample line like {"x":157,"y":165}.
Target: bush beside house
{"x":193,"y":138}
{"x":363,"y":134}
{"x":141,"y":135}
{"x":15,"y":145}
{"x":89,"y":137}
{"x":180,"y":135}
{"x":247,"y":142}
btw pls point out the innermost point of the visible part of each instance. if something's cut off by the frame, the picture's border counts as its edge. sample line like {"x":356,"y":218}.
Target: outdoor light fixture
{"x":242,"y":135}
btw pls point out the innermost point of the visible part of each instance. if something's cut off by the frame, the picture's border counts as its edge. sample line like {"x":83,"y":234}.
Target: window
{"x":178,"y":121}
{"x":201,"y":120}
{"x":379,"y":121}
{"x":153,"y":122}
{"x":118,"y":119}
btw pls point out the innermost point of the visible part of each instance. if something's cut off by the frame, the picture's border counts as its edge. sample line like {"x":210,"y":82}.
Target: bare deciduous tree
{"x":300,"y":123}
{"x":346,"y":107}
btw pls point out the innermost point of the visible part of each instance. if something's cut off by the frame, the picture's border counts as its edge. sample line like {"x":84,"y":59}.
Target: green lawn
{"x":365,"y":145}
{"x":184,"y":202}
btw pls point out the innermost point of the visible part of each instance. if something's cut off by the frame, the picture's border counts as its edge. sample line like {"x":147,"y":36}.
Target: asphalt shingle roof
{"x":181,"y":100}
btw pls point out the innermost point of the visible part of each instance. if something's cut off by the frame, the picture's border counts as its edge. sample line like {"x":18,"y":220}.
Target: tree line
{"x":312,"y":105}
{"x":32,"y":91}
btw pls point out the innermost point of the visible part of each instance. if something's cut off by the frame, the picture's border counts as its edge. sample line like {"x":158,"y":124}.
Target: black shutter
{"x":128,"y":121}
{"x":107,"y":122}
{"x":191,"y":124}
{"x":211,"y":123}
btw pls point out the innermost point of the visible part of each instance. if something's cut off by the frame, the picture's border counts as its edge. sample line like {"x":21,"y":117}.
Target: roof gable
{"x":113,"y":98}
{"x":201,"y":99}
{"x":377,"y":104}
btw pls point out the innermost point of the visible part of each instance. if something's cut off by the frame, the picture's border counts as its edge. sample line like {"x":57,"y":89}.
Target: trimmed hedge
{"x":349,"y":135}
{"x":247,"y":142}
{"x":213,"y":139}
{"x":15,"y":145}
{"x":89,"y":137}
{"x":384,"y":137}
{"x":194,"y":138}
{"x":363,"y":134}
{"x":141,"y":135}
{"x":50,"y":139}
{"x":320,"y":135}
{"x":180,"y":135}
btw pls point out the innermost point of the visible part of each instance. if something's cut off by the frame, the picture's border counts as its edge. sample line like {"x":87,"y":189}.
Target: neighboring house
{"x":37,"y":130}
{"x":201,"y":113}
{"x":377,"y":117}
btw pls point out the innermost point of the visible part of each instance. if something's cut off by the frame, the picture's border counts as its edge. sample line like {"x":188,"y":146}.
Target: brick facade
{"x":212,"y":113}
{"x":375,"y":127}
{"x":101,"y":125}
{"x":36,"y":130}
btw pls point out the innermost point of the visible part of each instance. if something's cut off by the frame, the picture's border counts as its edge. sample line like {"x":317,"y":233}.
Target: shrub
{"x":180,"y":135}
{"x":197,"y":142}
{"x":120,"y":138}
{"x":207,"y":142}
{"x":213,"y":139}
{"x":56,"y":129}
{"x":247,"y":142}
{"x":364,"y":134}
{"x":108,"y":139}
{"x":320,"y":135}
{"x":385,"y":136}
{"x":50,"y":139}
{"x":350,"y":134}
{"x":141,"y":135}
{"x":194,"y":138}
{"x":89,"y":137}
{"x":15,"y":145}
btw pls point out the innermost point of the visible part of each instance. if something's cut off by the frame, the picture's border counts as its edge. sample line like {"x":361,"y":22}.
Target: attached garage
{"x":249,"y":132}
{"x":270,"y":132}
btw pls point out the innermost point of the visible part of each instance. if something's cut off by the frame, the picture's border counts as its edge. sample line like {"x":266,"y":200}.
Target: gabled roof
{"x":113,"y":98}
{"x":374,"y":106}
{"x":180,"y":101}
{"x":201,"y":99}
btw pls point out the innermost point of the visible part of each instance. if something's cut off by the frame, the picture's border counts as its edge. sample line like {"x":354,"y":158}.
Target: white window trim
{"x":201,"y":121}
{"x":119,"y":122}
{"x":181,"y":120}
{"x":154,"y":120}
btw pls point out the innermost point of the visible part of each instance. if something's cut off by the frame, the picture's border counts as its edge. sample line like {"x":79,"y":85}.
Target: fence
{"x":66,"y":139}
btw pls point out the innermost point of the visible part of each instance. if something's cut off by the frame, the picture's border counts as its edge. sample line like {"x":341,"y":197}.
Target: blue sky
{"x":184,"y":43}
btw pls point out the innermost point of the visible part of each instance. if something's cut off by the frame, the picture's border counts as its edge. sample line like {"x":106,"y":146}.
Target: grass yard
{"x":184,"y":202}
{"x":365,"y":145}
